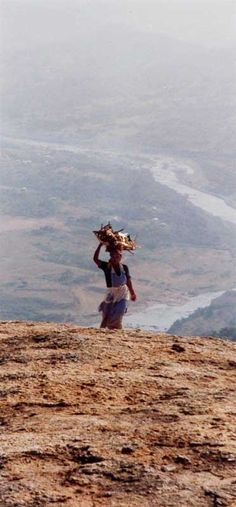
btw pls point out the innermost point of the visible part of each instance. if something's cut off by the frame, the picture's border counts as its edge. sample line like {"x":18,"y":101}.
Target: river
{"x":167,"y":171}
{"x":162,"y":316}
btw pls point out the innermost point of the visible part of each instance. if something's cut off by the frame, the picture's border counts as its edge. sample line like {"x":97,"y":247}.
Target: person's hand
{"x":133,"y":296}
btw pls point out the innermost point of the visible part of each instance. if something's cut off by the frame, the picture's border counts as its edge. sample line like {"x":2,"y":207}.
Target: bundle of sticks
{"x":114,"y":240}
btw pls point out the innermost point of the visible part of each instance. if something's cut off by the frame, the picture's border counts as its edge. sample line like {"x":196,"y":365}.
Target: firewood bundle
{"x":114,"y":240}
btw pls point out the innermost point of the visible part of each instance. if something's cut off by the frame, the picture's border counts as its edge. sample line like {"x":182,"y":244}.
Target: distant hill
{"x":114,"y":85}
{"x":83,"y":74}
{"x":51,"y":201}
{"x":219,"y":319}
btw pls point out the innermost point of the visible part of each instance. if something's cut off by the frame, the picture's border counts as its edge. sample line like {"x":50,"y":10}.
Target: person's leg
{"x":104,"y":321}
{"x":106,"y":312}
{"x":116,"y":314}
{"x":115,"y":323}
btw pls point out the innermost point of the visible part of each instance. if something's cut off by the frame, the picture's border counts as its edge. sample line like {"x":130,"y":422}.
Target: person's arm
{"x":96,"y":255}
{"x":131,"y":290}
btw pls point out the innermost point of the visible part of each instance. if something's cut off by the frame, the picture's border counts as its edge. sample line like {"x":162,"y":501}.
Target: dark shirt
{"x":107,"y":271}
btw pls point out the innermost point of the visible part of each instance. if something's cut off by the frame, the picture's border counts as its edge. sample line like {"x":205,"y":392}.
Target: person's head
{"x":115,"y":257}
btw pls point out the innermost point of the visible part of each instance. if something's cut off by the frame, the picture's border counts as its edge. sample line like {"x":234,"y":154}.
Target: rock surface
{"x":126,"y":418}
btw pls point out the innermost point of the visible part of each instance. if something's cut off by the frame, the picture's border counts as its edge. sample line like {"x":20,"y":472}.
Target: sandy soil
{"x":99,"y":418}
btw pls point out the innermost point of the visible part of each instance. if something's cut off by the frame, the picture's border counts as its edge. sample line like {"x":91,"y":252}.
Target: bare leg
{"x":104,"y":322}
{"x":116,"y":322}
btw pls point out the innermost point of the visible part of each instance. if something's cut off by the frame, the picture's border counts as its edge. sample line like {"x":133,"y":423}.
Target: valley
{"x":53,"y":197}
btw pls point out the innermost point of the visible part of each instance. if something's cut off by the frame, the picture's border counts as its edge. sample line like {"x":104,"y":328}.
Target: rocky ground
{"x":99,"y":418}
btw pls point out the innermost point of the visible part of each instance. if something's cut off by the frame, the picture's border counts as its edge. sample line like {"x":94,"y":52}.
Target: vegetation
{"x":225,"y":332}
{"x":219,"y":316}
{"x":122,"y":98}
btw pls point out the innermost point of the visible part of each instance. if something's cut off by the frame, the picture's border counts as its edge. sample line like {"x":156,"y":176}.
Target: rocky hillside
{"x":99,"y":418}
{"x":218,"y":317}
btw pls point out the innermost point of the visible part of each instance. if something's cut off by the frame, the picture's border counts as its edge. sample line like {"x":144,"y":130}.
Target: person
{"x":119,"y":289}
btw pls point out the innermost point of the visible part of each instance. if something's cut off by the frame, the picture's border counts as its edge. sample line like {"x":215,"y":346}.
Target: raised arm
{"x":96,"y":255}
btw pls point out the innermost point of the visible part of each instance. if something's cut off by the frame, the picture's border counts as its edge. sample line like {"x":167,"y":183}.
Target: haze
{"x":121,"y":110}
{"x":35,"y":22}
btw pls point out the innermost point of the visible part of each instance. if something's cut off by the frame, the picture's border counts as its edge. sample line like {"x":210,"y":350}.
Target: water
{"x":166,"y":170}
{"x":161,"y":316}
{"x":167,"y":173}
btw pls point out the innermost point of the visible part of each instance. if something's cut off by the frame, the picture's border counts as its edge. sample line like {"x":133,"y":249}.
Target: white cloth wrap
{"x":115,"y":294}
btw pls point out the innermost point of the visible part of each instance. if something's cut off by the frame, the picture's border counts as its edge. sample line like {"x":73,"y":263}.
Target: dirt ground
{"x":92,"y":417}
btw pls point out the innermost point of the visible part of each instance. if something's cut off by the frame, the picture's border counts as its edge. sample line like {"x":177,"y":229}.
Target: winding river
{"x":162,"y":316}
{"x":166,"y":171}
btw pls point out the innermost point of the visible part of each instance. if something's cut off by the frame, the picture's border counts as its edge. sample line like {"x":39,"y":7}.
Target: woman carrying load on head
{"x":119,"y":289}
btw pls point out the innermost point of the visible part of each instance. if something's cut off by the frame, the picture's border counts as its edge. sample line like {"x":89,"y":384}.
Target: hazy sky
{"x":205,"y":22}
{"x":88,"y":64}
